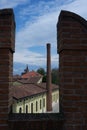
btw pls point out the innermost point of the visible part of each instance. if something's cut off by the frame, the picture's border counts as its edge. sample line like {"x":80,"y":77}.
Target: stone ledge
{"x":36,"y":116}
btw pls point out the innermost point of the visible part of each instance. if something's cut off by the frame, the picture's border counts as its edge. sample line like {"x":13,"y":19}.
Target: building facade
{"x":33,"y":101}
{"x":30,"y":94}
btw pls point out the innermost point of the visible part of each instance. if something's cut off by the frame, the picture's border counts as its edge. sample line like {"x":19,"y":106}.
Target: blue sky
{"x":36,"y":26}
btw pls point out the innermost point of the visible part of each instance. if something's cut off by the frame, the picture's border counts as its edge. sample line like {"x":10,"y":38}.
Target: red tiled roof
{"x":30,"y":74}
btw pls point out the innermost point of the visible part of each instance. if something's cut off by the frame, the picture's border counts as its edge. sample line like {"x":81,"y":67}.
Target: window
{"x":31,"y":107}
{"x":26,"y":108}
{"x":20,"y":110}
{"x":40,"y":103}
{"x":54,"y":98}
{"x":43,"y":102}
{"x":36,"y":106}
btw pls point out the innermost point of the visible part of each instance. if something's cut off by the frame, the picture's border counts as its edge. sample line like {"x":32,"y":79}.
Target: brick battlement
{"x":72,"y":49}
{"x":72,"y":32}
{"x":7,"y":29}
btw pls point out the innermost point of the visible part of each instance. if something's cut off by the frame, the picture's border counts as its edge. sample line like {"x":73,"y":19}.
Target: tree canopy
{"x":54,"y":75}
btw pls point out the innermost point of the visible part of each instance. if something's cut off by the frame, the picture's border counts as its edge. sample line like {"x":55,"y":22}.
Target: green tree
{"x":42,"y":72}
{"x":55,"y":75}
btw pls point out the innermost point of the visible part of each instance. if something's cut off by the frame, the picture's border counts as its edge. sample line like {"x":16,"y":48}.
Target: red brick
{"x":72,"y":97}
{"x":72,"y":48}
{"x":4,"y":127}
{"x":6,"y":59}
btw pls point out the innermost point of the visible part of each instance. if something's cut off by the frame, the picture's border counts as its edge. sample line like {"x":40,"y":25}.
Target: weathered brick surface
{"x":43,"y":121}
{"x":72,"y":49}
{"x":36,"y":125}
{"x":7,"y":27}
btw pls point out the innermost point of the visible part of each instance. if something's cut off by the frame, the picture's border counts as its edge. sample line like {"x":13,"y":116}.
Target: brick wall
{"x":44,"y":121}
{"x":6,"y":64}
{"x":72,"y":49}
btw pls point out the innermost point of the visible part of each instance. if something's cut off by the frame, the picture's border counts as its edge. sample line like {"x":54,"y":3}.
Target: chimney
{"x":48,"y":82}
{"x":7,"y":48}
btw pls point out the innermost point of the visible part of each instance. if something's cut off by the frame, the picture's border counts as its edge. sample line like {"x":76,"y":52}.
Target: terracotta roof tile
{"x":30,"y":74}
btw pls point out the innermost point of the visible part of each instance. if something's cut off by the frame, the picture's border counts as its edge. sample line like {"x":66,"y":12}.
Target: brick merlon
{"x":67,"y":14}
{"x":71,"y":28}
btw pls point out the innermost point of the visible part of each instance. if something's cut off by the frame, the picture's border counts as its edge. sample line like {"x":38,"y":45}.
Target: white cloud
{"x":11,"y":3}
{"x":29,"y":57}
{"x":34,"y":58}
{"x":43,"y":7}
{"x":78,"y":6}
{"x":42,"y":29}
{"x":39,"y":32}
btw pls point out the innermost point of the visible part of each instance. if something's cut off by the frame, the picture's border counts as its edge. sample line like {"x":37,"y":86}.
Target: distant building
{"x":31,"y":98}
{"x":28,"y":77}
{"x":30,"y":94}
{"x":26,"y":70}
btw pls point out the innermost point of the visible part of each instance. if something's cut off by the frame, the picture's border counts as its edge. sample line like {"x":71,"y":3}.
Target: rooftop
{"x":26,"y":90}
{"x":30,"y":74}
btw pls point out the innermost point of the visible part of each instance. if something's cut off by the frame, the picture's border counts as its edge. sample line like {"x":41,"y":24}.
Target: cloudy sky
{"x":36,"y":26}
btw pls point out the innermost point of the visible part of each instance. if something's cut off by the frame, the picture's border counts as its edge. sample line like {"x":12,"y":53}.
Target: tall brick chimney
{"x":7,"y":39}
{"x":48,"y":83}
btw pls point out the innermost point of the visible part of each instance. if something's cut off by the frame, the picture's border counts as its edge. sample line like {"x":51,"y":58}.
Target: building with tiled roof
{"x":31,"y":98}
{"x":28,"y":77}
{"x":32,"y":80}
{"x":30,"y":74}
